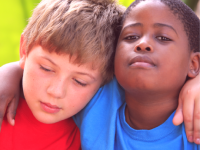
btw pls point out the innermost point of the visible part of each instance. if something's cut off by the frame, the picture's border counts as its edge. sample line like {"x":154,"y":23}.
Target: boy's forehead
{"x":61,"y":59}
{"x":152,"y":11}
{"x":148,"y":6}
{"x":176,"y":11}
{"x":155,"y":15}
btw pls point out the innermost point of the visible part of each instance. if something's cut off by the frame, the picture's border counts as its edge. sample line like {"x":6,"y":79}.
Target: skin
{"x":152,"y":62}
{"x":190,"y":103}
{"x":11,"y":75}
{"x":64,"y":87}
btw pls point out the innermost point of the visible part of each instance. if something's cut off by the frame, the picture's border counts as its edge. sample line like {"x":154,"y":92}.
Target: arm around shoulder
{"x":189,"y":109}
{"x":10,"y":79}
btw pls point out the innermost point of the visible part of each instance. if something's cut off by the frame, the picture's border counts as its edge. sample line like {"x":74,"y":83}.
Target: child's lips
{"x":141,"y":61}
{"x":49,"y":108}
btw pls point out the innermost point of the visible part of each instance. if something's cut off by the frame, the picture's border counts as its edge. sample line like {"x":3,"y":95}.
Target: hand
{"x":189,"y":109}
{"x":9,"y":102}
{"x":10,"y":77}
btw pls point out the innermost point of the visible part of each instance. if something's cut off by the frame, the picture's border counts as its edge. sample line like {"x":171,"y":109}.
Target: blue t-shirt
{"x":103,"y":126}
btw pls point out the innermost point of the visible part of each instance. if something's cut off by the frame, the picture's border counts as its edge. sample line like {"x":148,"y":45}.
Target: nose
{"x":57,"y":89}
{"x":143,"y":46}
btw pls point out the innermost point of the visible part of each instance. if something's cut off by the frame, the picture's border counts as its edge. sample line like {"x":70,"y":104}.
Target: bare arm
{"x":10,"y":79}
{"x":189,"y":109}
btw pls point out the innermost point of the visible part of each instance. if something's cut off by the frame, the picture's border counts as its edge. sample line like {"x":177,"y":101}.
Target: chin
{"x":45,"y":119}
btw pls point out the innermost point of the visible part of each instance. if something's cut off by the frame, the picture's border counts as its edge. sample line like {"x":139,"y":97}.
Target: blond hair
{"x":87,"y":28}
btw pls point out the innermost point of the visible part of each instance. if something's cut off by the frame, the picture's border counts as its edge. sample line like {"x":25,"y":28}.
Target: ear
{"x":22,"y":52}
{"x":194,"y":65}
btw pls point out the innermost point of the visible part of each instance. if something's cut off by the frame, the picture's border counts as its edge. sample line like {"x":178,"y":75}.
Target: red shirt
{"x":30,"y":134}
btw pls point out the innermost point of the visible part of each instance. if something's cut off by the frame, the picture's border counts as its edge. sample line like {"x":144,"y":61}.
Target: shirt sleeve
{"x":97,"y":118}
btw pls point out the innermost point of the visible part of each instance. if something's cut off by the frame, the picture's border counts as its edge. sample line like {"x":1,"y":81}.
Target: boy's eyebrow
{"x":83,"y":73}
{"x":132,"y":25}
{"x":49,"y":60}
{"x":164,"y":25}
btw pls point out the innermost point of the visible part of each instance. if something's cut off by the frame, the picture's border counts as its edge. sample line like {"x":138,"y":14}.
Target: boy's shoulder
{"x":28,"y":132}
{"x":97,"y":121}
{"x":111,"y":95}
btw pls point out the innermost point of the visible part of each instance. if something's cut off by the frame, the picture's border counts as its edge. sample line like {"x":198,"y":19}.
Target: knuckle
{"x":197,"y":133}
{"x":190,"y":132}
{"x":188,"y":119}
{"x":188,"y":91}
{"x":197,"y":115}
{"x":12,"y":113}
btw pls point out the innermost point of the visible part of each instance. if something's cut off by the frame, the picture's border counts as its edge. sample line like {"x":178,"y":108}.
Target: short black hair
{"x":185,"y":14}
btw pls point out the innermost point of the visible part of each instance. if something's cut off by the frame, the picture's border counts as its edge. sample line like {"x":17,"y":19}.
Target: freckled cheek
{"x":33,"y":82}
{"x":33,"y":79}
{"x":83,"y":98}
{"x":28,"y":86}
{"x":74,"y":106}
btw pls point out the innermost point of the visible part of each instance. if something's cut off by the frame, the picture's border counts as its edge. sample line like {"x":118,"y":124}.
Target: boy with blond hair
{"x":106,"y":121}
{"x":66,"y":54}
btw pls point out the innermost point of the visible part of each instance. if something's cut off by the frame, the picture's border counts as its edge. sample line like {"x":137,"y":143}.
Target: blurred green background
{"x":14,"y":15}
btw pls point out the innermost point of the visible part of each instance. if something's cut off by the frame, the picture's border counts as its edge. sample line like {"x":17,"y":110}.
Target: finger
{"x":178,"y":116}
{"x":3,"y":107}
{"x":11,"y":111}
{"x":188,"y":109}
{"x":197,"y":122}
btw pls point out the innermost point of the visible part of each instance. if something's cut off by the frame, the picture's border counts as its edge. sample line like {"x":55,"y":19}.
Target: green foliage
{"x":13,"y":15}
{"x":13,"y":19}
{"x":125,"y":2}
{"x":191,"y":3}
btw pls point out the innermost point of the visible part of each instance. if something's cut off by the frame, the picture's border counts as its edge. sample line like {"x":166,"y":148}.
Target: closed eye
{"x":80,"y":83}
{"x":45,"y":69}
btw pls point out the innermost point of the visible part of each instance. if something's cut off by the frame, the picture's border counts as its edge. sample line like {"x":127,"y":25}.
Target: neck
{"x":147,"y":111}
